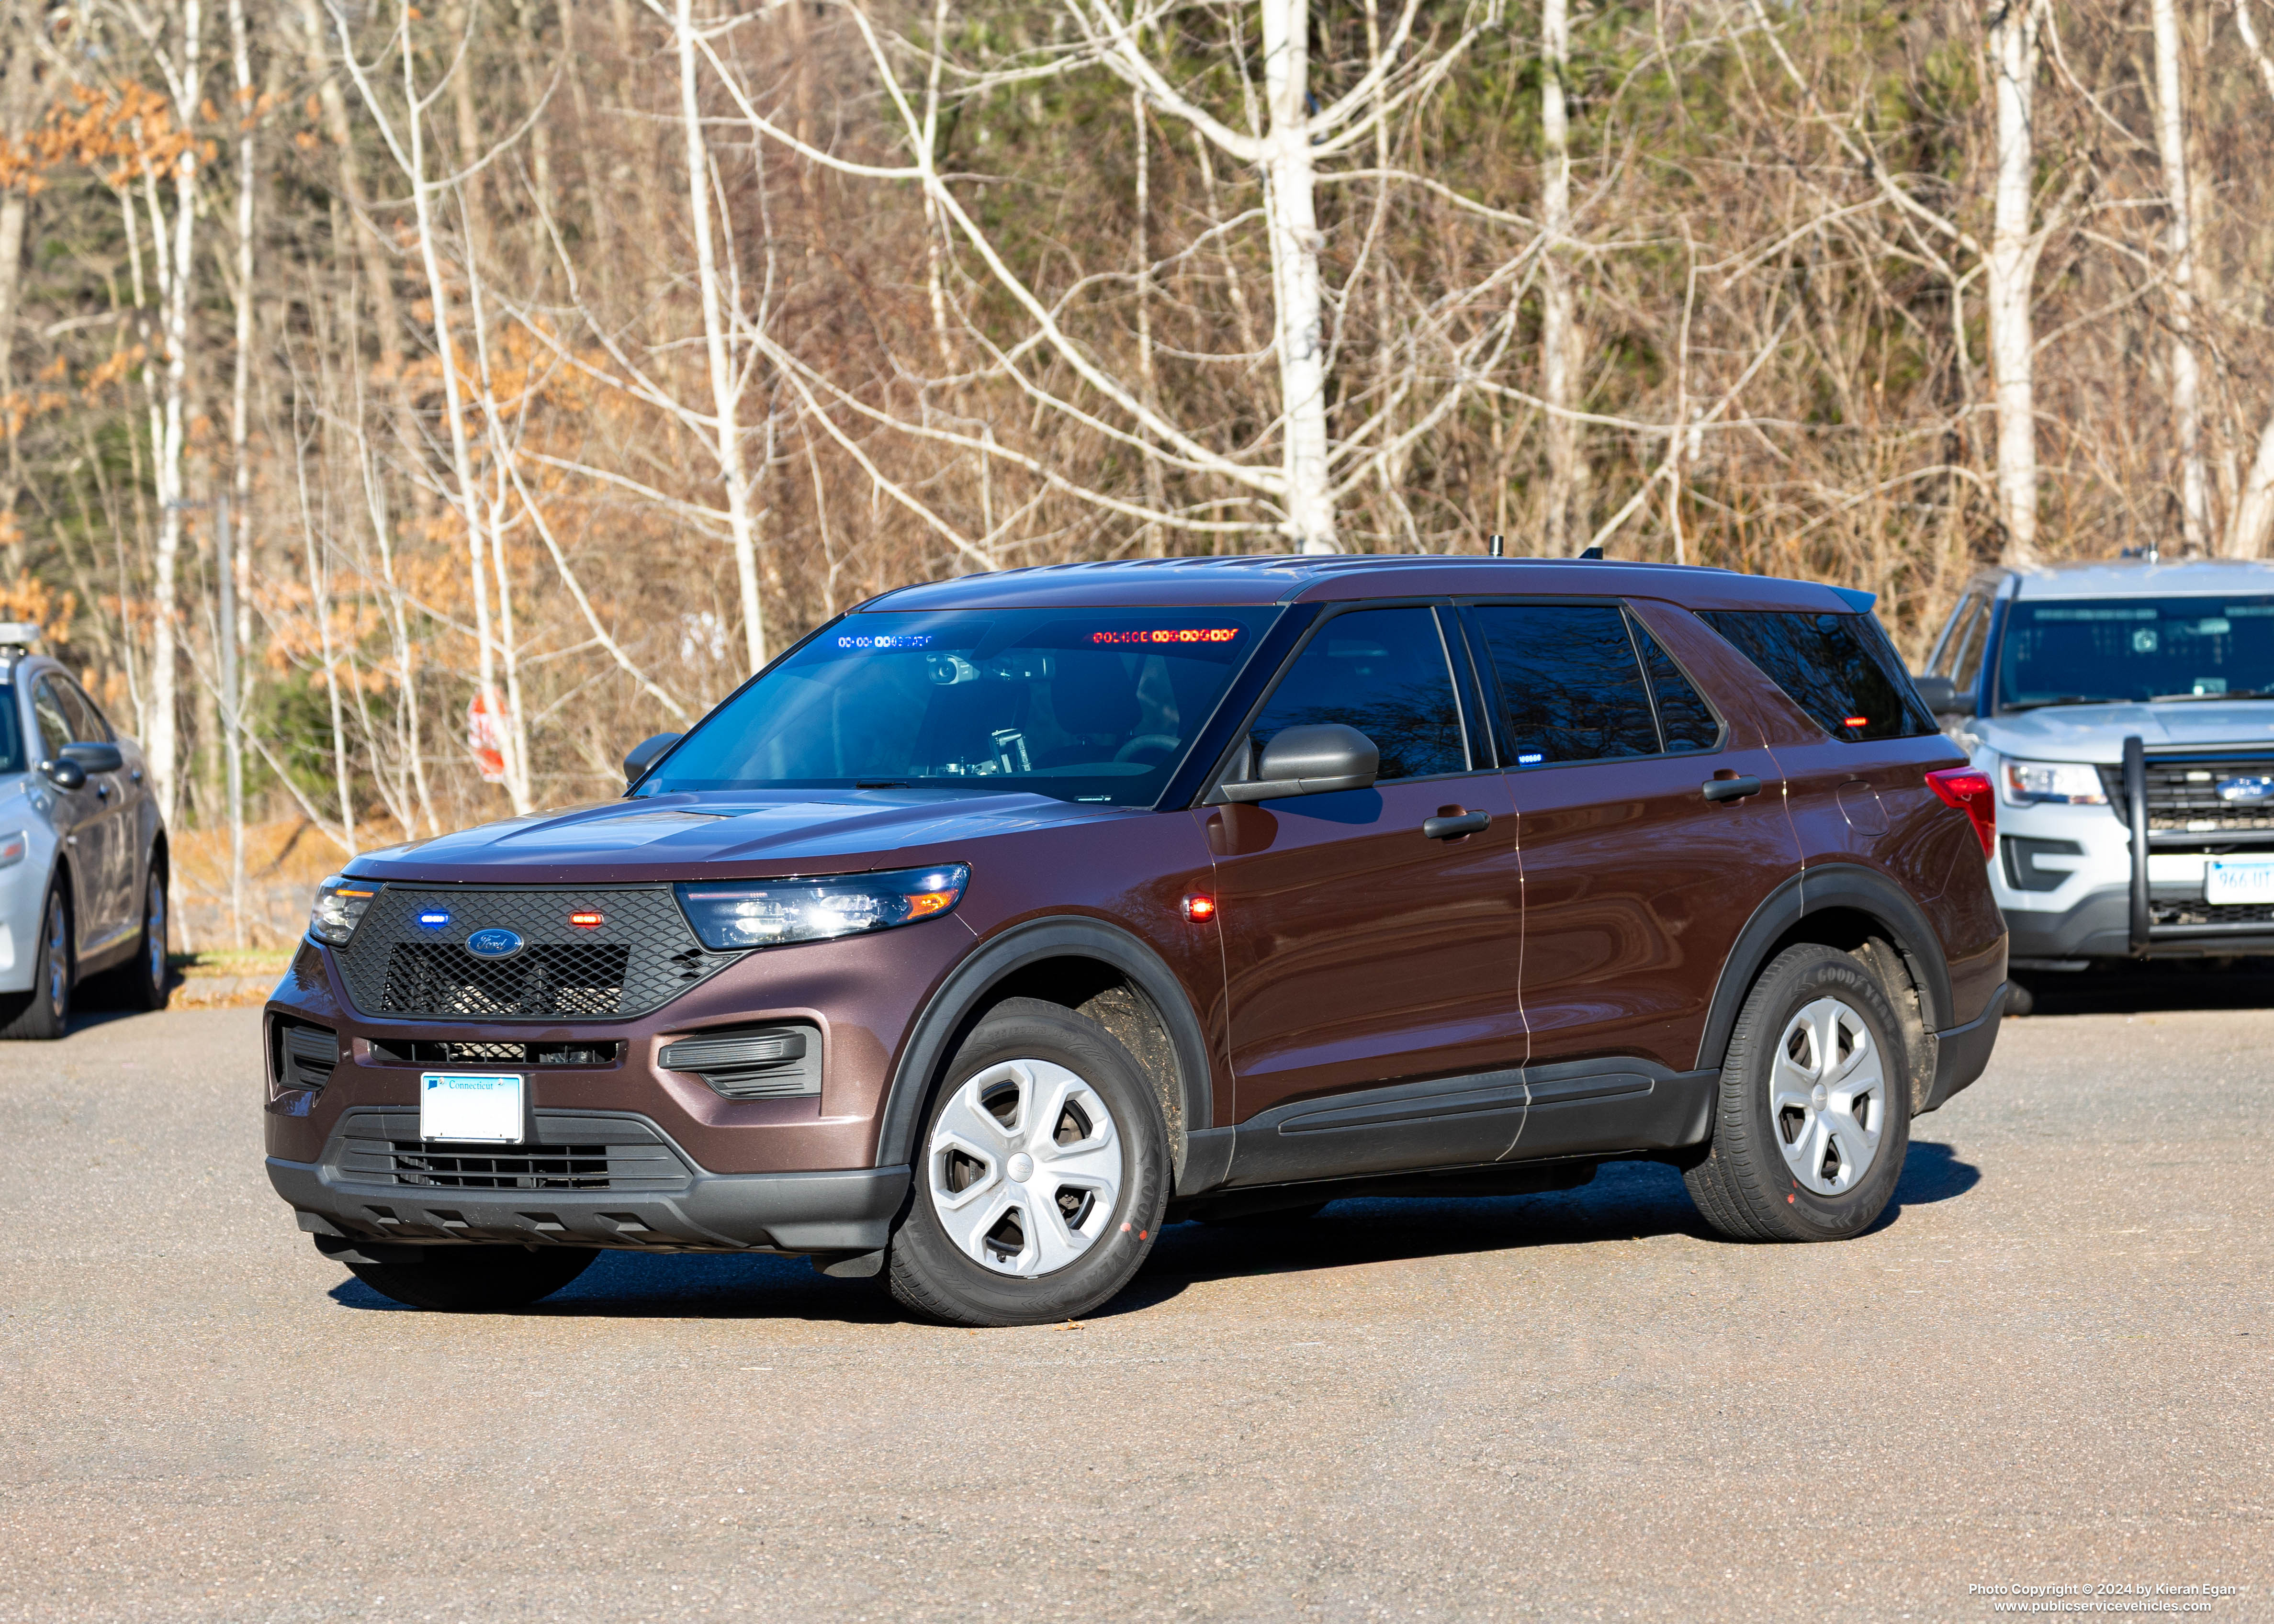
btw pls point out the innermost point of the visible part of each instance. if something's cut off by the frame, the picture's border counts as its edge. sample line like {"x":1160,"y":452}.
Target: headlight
{"x":13,"y":847}
{"x":2073,"y":784}
{"x":340,"y":903}
{"x":765,"y":912}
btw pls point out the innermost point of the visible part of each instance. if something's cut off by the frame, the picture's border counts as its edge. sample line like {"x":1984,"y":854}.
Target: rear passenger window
{"x":1683,"y":716}
{"x":1385,"y":673}
{"x":1570,"y":688}
{"x":1839,"y":668}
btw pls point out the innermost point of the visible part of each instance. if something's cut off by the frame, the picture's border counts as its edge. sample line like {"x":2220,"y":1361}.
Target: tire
{"x":142,"y":980}
{"x":1791,"y":1159}
{"x":459,"y":1280}
{"x":983,"y":1242}
{"x":46,"y":1011}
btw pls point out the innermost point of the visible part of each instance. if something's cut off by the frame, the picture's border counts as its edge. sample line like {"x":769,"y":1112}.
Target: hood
{"x":756,"y":834}
{"x":2097,"y":733}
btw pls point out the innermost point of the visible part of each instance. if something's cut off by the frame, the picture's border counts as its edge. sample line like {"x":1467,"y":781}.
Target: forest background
{"x":408,"y":408}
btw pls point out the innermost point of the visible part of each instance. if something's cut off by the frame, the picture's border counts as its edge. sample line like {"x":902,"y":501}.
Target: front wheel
{"x":46,"y":1011}
{"x":1044,"y":1176}
{"x":1813,"y":1117}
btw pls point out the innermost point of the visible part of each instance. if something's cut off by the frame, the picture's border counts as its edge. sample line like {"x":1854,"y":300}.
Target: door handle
{"x":1452,"y":826}
{"x":1731,"y":789}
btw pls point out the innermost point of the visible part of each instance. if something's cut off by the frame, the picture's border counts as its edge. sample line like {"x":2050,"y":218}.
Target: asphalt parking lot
{"x":2048,"y":1366}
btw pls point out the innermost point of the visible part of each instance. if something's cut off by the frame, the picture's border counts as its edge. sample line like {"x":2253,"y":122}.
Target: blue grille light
{"x":435,"y":919}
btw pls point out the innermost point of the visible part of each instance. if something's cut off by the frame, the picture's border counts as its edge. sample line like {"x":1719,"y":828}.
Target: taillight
{"x":1968,"y":788}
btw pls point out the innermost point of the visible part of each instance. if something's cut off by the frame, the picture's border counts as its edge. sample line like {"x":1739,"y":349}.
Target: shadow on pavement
{"x":2158,"y":985}
{"x":1628,"y":1200}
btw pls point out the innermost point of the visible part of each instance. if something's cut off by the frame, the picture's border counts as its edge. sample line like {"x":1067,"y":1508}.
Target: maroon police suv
{"x":1004,"y":920}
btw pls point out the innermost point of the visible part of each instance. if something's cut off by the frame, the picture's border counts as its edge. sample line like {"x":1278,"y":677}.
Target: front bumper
{"x":608,"y":1179}
{"x":2089,"y":914}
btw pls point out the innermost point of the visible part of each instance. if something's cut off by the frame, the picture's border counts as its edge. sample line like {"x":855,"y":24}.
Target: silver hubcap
{"x":1024,"y":1167}
{"x":1829,"y":1097}
{"x":58,"y":956}
{"x":154,"y":926}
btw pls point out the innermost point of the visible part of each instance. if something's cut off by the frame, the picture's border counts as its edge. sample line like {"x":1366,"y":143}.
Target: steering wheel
{"x":1163,"y":742}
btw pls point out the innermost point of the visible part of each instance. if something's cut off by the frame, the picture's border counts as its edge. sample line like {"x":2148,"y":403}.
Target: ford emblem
{"x":2245,"y":789}
{"x":496,"y":941}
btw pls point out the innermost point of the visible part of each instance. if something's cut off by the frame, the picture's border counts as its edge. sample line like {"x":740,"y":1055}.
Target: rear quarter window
{"x":1838,"y":668}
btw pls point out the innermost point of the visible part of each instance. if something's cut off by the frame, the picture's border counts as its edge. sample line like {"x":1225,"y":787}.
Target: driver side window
{"x":55,"y":725}
{"x":1384,"y":672}
{"x":88,"y":725}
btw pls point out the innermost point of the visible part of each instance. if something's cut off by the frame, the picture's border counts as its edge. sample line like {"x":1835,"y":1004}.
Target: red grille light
{"x":1968,"y":788}
{"x":587,"y":919}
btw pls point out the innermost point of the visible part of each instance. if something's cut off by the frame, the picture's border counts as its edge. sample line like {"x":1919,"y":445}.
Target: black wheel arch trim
{"x":947,"y":1015}
{"x":1821,"y":890}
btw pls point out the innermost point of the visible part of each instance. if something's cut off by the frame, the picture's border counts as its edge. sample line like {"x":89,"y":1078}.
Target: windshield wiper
{"x":2066,"y":699}
{"x":2240,"y":693}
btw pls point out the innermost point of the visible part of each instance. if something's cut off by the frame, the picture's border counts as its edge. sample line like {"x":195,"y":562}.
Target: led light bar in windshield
{"x":888,"y":640}
{"x":1181,"y":633}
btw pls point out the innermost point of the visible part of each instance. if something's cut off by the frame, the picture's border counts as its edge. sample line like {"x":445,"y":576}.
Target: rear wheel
{"x":1043,"y":1175}
{"x":1813,"y":1118}
{"x":473,"y":1279}
{"x":142,"y":979}
{"x":46,"y":1011}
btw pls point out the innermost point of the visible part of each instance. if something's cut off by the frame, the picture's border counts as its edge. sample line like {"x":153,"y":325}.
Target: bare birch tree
{"x":2187,"y":375}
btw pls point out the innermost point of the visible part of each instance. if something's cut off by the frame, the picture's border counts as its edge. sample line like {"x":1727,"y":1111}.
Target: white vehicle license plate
{"x":479,"y":1106}
{"x":2248,"y":880}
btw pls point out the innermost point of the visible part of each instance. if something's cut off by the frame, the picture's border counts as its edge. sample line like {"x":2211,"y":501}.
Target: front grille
{"x":431,"y":1051}
{"x":574,"y":1150}
{"x":2184,"y":797}
{"x":640,"y":958}
{"x":553,"y":1167}
{"x":2193,"y":912}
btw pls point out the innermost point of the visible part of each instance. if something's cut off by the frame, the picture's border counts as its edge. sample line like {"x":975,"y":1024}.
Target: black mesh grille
{"x":578,"y":1150}
{"x":2193,"y":912}
{"x":640,"y":956}
{"x":2184,"y":796}
{"x":547,"y":1167}
{"x":450,"y":1051}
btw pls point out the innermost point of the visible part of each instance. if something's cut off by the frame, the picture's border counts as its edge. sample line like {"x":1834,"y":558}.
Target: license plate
{"x":484,"y":1107}
{"x":2248,"y":880}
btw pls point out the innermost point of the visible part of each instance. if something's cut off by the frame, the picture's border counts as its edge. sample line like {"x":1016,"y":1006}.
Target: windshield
{"x":2087,"y":651}
{"x":1096,"y":705}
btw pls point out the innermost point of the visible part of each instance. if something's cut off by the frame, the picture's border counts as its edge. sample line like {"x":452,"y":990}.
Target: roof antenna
{"x":1497,"y":547}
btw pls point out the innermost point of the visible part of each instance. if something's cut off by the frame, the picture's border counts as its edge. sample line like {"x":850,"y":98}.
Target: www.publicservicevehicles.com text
{"x":2103,"y":1599}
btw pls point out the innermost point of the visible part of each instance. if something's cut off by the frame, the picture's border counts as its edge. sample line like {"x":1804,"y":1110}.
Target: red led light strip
{"x":1186,"y":634}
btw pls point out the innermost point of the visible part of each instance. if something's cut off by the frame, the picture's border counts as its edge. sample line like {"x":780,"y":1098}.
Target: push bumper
{"x":638,"y":1193}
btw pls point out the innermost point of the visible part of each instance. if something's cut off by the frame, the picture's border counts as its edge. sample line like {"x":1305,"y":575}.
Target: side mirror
{"x":64,"y":773}
{"x":1311,"y":761}
{"x":94,"y":757}
{"x":645,"y":753}
{"x":1941,"y":695}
